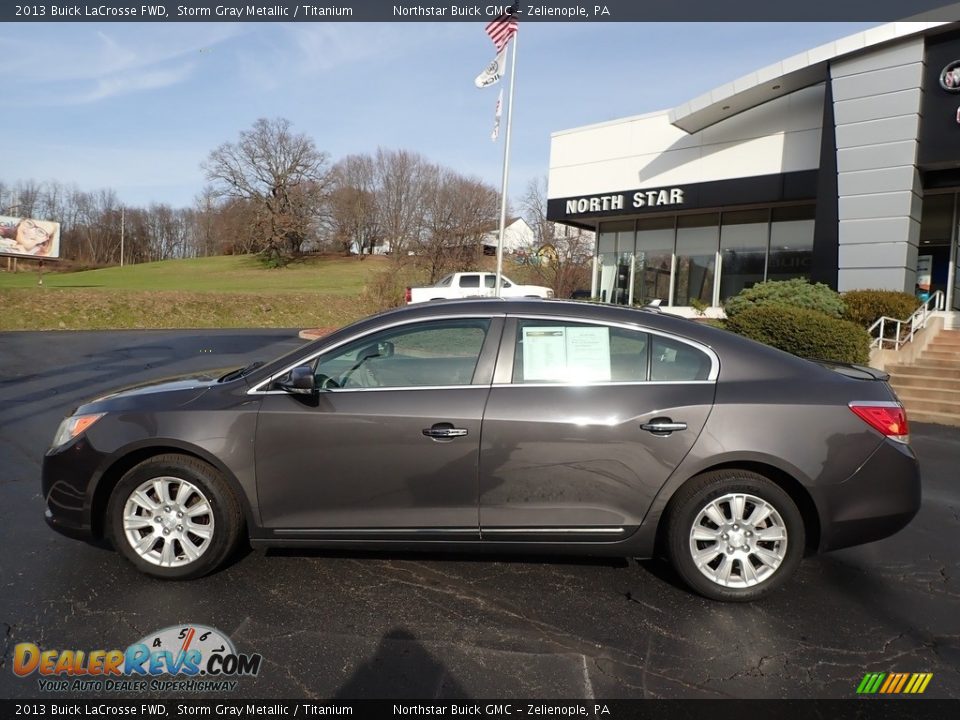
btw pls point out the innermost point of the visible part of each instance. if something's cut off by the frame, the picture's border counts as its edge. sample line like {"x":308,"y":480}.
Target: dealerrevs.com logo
{"x":187,"y":658}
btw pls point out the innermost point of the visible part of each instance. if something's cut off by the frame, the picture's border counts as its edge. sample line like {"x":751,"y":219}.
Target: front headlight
{"x":73,"y":426}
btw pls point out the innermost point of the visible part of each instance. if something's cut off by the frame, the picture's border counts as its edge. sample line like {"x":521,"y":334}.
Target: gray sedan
{"x":498,"y":426}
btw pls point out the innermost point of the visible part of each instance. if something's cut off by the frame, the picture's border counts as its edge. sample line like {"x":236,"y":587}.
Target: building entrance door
{"x":937,"y":252}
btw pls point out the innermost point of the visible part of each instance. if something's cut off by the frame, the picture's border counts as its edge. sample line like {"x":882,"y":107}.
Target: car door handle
{"x":663,"y":425}
{"x":444,"y":431}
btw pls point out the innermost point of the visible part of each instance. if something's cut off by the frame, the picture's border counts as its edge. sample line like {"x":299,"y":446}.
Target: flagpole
{"x":506,"y":169}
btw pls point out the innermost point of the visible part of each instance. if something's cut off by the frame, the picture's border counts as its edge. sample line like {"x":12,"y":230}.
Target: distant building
{"x":382,"y":248}
{"x":840,"y":164}
{"x":517,"y":236}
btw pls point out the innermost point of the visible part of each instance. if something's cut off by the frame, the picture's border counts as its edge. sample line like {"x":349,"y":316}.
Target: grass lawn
{"x":227,"y":273}
{"x":228,"y":291}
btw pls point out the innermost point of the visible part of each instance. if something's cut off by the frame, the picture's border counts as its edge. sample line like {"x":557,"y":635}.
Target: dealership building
{"x":840,"y":164}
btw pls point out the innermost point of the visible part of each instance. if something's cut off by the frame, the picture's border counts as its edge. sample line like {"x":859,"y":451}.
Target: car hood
{"x":176,"y":391}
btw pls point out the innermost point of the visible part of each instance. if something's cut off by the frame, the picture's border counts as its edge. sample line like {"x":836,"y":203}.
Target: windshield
{"x":240,"y":372}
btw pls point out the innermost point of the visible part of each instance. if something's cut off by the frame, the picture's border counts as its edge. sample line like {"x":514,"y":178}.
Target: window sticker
{"x":566,"y":354}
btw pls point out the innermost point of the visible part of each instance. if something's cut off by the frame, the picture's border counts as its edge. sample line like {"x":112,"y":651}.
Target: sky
{"x":137,"y":107}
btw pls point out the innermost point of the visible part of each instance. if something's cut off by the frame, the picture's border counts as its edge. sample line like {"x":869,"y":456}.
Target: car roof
{"x":564,"y":308}
{"x":726,"y":343}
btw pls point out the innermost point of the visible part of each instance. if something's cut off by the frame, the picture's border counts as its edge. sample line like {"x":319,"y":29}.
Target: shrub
{"x":865,"y":307}
{"x":803,"y":332}
{"x":699,"y":306}
{"x":386,"y":288}
{"x":796,"y":293}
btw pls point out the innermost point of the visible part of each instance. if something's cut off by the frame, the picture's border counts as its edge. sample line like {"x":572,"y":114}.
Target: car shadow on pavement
{"x":437,"y":556}
{"x":401,"y":668}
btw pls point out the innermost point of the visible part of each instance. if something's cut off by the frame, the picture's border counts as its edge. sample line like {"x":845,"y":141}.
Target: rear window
{"x":469,"y":281}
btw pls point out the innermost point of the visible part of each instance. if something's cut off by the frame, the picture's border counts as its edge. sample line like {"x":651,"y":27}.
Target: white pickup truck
{"x":474,"y":284}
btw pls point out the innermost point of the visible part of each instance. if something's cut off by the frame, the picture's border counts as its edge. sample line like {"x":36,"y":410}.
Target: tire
{"x":188,"y":509}
{"x":734,"y":564}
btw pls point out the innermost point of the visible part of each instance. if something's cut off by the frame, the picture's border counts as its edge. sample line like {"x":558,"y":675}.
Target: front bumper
{"x":878,"y":500}
{"x":67,"y":485}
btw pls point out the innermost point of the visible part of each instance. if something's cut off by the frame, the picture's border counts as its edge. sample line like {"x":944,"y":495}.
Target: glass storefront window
{"x":697,"y":239}
{"x":791,"y":242}
{"x":638,"y":261}
{"x":653,"y":260}
{"x":743,"y":250}
{"x":615,"y":253}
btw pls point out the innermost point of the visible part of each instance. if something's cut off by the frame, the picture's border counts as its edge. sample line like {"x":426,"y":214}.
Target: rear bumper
{"x":878,"y":500}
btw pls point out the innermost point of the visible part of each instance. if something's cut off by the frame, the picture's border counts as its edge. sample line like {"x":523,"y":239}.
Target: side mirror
{"x":299,"y":382}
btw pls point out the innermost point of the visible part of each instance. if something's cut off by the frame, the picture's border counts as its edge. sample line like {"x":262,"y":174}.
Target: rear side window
{"x":548,"y":351}
{"x":562,"y":352}
{"x":674,"y":361}
{"x":469,"y":281}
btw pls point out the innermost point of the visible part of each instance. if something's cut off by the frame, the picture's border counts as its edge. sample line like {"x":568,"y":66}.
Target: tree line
{"x":272,"y":191}
{"x":275,"y":193}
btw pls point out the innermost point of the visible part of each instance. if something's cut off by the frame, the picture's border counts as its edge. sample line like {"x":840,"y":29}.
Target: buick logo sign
{"x":950,"y":77}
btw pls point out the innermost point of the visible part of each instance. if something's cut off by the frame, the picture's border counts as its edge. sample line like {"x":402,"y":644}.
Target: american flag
{"x":502,"y":29}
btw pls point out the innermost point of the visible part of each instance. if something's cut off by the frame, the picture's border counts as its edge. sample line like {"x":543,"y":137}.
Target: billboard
{"x":25,"y":237}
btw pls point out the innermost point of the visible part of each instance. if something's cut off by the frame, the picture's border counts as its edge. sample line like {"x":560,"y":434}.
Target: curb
{"x":316,"y":333}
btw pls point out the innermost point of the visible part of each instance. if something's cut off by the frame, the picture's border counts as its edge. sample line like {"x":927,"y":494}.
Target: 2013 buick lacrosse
{"x":492,"y":425}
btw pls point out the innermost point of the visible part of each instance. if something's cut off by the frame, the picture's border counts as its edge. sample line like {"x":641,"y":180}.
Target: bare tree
{"x":402,"y":189}
{"x":534,"y":206}
{"x":564,"y":253}
{"x":353,"y":216}
{"x":281,"y":174}
{"x":458,"y":211}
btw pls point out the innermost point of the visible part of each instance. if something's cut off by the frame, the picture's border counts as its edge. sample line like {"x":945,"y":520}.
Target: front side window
{"x":566,"y":352}
{"x":437,"y":353}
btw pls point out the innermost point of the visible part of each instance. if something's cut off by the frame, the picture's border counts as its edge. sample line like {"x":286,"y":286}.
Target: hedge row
{"x":865,"y":307}
{"x":804,"y":332}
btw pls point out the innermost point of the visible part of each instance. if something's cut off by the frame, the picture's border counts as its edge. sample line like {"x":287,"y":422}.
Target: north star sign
{"x":622,"y":201}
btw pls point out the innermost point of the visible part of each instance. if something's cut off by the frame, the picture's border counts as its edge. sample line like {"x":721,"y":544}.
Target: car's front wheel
{"x":734,"y":535}
{"x":174,"y":517}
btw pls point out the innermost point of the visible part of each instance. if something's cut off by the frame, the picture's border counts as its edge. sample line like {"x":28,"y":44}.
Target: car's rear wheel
{"x":734,"y":535}
{"x":174,"y":517}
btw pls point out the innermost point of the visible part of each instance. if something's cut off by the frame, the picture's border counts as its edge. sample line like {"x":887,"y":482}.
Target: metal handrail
{"x":917,"y":321}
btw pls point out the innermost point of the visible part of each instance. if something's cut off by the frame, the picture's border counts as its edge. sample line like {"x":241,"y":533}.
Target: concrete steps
{"x":929,"y":387}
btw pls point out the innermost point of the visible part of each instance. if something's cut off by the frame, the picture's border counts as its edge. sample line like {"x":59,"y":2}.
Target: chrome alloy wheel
{"x":738,"y":540}
{"x":168,"y":521}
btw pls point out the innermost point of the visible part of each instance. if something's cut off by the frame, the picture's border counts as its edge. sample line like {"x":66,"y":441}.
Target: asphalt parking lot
{"x":349,"y":625}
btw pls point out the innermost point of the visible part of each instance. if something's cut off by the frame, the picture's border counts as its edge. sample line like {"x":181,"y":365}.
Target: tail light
{"x":408,"y":295}
{"x":887,"y":418}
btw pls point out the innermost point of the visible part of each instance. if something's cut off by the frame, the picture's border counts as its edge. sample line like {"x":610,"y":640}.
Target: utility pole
{"x":12,"y":261}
